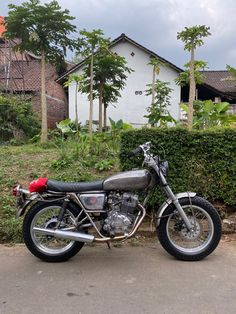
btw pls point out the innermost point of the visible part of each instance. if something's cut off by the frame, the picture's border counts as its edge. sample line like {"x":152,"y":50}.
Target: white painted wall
{"x":130,"y":107}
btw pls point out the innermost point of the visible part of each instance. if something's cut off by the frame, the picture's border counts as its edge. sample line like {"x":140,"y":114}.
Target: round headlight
{"x":164,"y":166}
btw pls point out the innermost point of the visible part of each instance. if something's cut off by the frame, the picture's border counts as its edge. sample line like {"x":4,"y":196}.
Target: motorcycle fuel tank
{"x":128,"y":181}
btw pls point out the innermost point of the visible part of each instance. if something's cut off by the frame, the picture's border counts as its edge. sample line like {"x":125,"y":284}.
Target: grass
{"x":67,"y":161}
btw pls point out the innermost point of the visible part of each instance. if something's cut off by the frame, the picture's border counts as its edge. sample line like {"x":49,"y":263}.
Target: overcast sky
{"x":155,"y":23}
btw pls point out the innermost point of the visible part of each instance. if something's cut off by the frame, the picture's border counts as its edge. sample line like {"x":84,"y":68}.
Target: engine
{"x":121,"y":214}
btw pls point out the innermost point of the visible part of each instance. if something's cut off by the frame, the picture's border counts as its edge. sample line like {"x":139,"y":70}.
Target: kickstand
{"x":108,"y":245}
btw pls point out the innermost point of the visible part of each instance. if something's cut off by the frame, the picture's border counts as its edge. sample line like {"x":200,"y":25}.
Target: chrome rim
{"x":190,"y":242}
{"x":47,"y":218}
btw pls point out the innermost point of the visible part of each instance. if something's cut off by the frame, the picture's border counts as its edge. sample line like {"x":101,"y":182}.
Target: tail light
{"x":15,"y":190}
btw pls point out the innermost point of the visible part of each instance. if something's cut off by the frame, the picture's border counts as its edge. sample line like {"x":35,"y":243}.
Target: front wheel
{"x":187,"y":245}
{"x":45,"y":247}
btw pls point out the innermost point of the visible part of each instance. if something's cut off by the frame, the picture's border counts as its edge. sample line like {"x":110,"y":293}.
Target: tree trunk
{"x":100,"y":107}
{"x":192,"y":90}
{"x":76,"y":107}
{"x":44,"y":125}
{"x":105,"y":117}
{"x":91,"y":97}
{"x":153,"y":83}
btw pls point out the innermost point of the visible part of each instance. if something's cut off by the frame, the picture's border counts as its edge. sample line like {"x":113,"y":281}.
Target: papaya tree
{"x":91,"y":43}
{"x":192,"y":38}
{"x":156,"y":68}
{"x":110,"y":74}
{"x":44,"y":30}
{"x":78,"y":81}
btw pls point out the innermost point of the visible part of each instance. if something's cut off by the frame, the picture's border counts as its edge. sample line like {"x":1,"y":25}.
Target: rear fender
{"x":169,"y":201}
{"x":21,"y":210}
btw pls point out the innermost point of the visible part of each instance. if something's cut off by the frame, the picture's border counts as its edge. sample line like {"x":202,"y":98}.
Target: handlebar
{"x":135,"y":152}
{"x":142,"y":148}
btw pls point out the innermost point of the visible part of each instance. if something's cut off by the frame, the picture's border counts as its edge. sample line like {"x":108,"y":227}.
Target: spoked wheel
{"x":192,"y":245}
{"x":47,"y":247}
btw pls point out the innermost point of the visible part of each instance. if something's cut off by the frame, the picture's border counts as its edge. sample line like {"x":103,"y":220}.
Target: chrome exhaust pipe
{"x":74,"y":236}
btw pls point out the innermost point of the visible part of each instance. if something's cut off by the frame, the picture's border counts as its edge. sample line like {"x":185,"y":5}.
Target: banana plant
{"x":208,"y":114}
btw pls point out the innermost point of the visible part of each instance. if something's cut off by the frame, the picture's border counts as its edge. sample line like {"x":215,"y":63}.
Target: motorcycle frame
{"x":75,"y":198}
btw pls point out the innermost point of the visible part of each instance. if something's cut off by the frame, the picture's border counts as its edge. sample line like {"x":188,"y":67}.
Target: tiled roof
{"x":220,"y":81}
{"x":2,"y":27}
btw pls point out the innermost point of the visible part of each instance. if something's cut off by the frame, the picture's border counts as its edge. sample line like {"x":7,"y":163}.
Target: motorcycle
{"x":59,"y":216}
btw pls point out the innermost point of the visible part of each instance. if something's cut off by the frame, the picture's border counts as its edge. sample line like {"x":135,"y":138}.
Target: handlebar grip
{"x":136,"y":151}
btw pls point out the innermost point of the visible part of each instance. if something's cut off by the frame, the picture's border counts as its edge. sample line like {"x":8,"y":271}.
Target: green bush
{"x":200,"y":161}
{"x":17,"y":120}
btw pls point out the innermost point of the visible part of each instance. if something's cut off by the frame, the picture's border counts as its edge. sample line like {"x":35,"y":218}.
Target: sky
{"x":155,"y":23}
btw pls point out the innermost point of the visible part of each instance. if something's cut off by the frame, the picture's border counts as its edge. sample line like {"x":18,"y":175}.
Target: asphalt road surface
{"x":142,"y":279}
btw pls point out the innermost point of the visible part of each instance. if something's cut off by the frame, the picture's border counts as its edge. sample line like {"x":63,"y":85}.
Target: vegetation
{"x":184,"y":77}
{"x":43,"y":30}
{"x":232,"y":72}
{"x":204,"y":162}
{"x":158,"y":114}
{"x":156,"y":68}
{"x":91,"y":42}
{"x":77,"y":80}
{"x":17,"y":120}
{"x":209,"y":115}
{"x":192,"y":38}
{"x":109,"y":77}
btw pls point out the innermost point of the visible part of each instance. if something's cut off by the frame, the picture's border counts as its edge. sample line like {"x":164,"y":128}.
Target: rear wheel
{"x":47,"y":247}
{"x":193,"y":245}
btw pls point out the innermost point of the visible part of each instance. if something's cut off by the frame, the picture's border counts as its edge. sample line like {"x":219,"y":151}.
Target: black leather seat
{"x":58,"y":186}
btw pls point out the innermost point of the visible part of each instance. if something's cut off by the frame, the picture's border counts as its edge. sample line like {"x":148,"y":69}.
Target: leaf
{"x":208,"y":106}
{"x":119,"y":124}
{"x":184,"y":107}
{"x":113,"y":124}
{"x":222,"y":107}
{"x":65,"y":126}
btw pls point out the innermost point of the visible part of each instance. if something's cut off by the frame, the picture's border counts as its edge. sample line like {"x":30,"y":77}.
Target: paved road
{"x":129,"y":279}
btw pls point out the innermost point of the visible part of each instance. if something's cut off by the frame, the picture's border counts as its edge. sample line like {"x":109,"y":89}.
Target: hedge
{"x":200,"y":161}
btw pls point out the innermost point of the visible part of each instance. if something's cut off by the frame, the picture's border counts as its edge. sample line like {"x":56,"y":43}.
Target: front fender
{"x":169,"y":201}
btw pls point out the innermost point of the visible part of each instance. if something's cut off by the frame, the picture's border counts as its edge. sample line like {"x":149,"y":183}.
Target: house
{"x":217,"y":86}
{"x":132,"y":105}
{"x":20,"y":74}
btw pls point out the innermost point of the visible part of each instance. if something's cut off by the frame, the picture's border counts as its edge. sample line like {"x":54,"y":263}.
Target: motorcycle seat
{"x":58,"y":186}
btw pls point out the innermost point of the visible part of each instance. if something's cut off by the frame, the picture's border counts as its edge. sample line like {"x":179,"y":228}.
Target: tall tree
{"x":156,"y":68}
{"x":43,"y":30}
{"x":91,"y":43}
{"x":110,"y":74}
{"x":192,"y":38}
{"x":77,"y":80}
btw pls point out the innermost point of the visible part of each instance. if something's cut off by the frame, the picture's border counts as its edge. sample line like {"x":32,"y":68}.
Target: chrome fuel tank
{"x":128,"y":181}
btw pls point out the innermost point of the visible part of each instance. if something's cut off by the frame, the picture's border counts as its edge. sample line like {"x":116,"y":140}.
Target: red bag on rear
{"x":38,"y":185}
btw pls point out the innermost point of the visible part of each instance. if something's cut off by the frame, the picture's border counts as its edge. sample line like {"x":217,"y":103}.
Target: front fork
{"x":174,"y":199}
{"x":179,"y":208}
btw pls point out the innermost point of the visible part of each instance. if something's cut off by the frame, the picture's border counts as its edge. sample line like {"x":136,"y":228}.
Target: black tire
{"x":34,"y":244}
{"x":205,"y":217}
